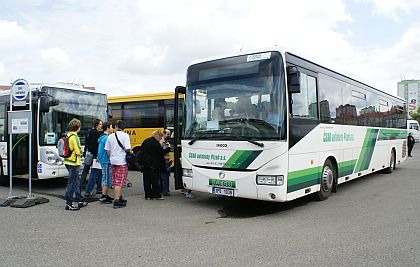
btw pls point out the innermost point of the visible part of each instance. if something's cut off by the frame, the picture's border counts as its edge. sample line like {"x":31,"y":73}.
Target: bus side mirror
{"x":180,"y":90}
{"x":109,"y":111}
{"x":45,"y":103}
{"x":293,"y":80}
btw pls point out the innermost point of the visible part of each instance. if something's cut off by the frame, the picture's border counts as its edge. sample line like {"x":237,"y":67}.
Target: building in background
{"x":410,"y":91}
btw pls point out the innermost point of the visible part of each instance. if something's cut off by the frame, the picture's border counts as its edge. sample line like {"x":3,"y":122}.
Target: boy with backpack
{"x":69,"y":148}
{"x":103,"y":159}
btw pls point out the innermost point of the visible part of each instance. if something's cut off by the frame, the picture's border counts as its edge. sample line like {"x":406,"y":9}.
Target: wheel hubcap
{"x":327,"y":179}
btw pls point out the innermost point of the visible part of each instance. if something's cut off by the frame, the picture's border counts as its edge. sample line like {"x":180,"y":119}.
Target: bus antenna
{"x":240,"y":50}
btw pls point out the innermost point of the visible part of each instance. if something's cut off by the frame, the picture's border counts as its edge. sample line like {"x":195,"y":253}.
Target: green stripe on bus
{"x":251,"y":157}
{"x":230,"y":163}
{"x":306,"y":184}
{"x":303,"y":178}
{"x":367,"y":150}
{"x":241,"y":159}
{"x":346,"y":167}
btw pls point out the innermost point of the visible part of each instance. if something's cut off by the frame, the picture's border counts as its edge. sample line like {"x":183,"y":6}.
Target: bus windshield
{"x":85,"y":106}
{"x":242,"y":97}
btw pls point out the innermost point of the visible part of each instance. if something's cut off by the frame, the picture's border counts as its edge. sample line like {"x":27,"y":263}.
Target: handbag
{"x":88,"y":158}
{"x":128,"y":155}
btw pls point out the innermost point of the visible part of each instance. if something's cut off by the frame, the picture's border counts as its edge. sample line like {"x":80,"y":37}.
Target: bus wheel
{"x":391,"y":163}
{"x":327,"y":181}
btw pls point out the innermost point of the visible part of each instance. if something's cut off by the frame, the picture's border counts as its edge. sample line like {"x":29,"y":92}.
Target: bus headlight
{"x":270,"y":180}
{"x":187,"y":172}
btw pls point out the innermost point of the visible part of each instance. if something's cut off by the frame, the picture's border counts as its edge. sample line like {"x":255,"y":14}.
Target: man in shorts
{"x":116,"y":146}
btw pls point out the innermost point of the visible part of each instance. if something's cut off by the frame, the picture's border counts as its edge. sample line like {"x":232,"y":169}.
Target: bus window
{"x":304,"y":103}
{"x":330,"y":100}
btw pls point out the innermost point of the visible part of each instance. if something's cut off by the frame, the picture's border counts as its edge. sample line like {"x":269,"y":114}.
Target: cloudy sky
{"x":127,"y":47}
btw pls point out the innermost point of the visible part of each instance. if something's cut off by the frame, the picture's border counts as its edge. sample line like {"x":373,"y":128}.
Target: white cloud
{"x":54,"y":56}
{"x":146,"y":46}
{"x":393,"y":8}
{"x":10,"y":31}
{"x":13,"y":35}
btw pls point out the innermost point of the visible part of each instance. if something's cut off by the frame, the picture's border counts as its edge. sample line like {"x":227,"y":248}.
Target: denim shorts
{"x":106,"y":175}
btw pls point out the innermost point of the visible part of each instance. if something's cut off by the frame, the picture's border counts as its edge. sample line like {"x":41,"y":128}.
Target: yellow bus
{"x":143,"y":114}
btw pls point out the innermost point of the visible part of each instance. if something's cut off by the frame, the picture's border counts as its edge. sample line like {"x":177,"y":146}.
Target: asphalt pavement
{"x":371,"y":221}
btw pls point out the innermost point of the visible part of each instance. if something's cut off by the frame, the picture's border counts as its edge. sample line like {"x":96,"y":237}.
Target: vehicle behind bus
{"x":68,"y":101}
{"x":413,"y":128}
{"x":143,"y":114}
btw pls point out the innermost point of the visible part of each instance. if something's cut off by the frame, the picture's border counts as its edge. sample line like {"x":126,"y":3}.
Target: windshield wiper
{"x":241,"y":138}
{"x":202,"y":136}
{"x":223,"y":136}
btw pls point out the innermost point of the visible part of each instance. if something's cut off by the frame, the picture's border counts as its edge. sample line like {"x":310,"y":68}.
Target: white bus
{"x":277,"y":127}
{"x":413,"y":128}
{"x":53,"y":106}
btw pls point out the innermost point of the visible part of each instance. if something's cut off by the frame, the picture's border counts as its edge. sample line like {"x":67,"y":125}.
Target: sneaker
{"x":189,"y":195}
{"x":103,"y":197}
{"x":166,"y":194}
{"x":106,"y":200}
{"x":89,"y":195}
{"x":124,"y":201}
{"x":82,"y":204}
{"x":72,"y":207}
{"x":118,"y":204}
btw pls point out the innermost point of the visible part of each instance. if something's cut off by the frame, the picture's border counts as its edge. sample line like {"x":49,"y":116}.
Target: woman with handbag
{"x":153,"y":165}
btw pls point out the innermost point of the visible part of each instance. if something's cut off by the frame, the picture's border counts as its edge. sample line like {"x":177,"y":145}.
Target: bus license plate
{"x":222,"y":191}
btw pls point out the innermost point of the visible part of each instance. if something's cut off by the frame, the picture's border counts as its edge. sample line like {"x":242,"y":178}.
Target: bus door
{"x":179,"y":91}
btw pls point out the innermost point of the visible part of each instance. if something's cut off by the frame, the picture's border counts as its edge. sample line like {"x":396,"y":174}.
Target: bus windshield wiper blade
{"x":247,"y":139}
{"x":202,"y":136}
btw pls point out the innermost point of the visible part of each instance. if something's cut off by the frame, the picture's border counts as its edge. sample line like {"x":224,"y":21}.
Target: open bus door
{"x":179,"y":90}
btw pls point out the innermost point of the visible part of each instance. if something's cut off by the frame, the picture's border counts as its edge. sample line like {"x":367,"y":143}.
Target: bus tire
{"x":392,"y":164}
{"x":327,"y":181}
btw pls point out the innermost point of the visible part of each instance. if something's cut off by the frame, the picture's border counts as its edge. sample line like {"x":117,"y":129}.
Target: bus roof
{"x":283,"y":51}
{"x":60,"y":85}
{"x":141,"y":97}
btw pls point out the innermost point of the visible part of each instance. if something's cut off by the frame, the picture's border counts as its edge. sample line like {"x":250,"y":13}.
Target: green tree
{"x":415,"y":114}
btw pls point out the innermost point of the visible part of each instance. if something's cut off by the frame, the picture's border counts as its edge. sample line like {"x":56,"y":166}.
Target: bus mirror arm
{"x":109,"y":112}
{"x":45,"y":103}
{"x":293,"y":80}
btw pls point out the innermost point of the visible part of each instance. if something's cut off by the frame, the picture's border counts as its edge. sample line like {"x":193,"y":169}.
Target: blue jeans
{"x":73,"y":186}
{"x":106,"y":175}
{"x":165,"y":181}
{"x":94,"y":178}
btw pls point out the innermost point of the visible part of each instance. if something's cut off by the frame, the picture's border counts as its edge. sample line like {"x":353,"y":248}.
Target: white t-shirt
{"x":117,"y":155}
